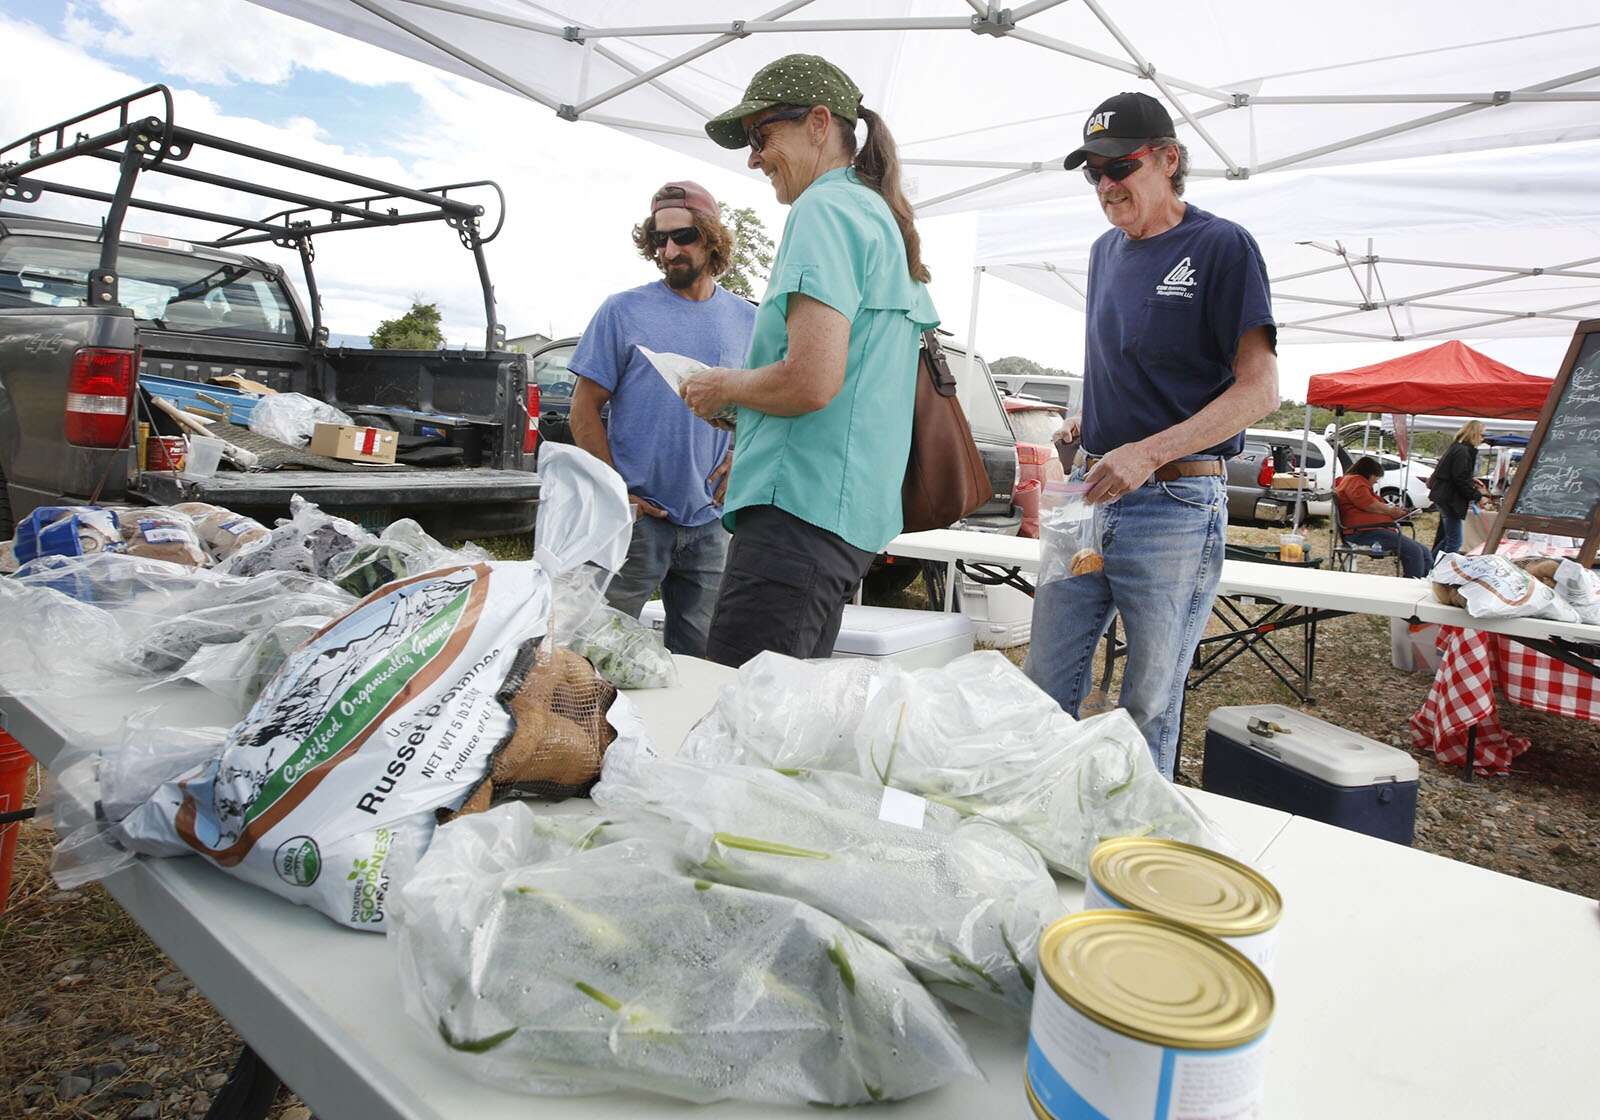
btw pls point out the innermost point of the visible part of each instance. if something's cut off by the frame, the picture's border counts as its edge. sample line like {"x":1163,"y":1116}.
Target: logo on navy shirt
{"x":1178,"y":281}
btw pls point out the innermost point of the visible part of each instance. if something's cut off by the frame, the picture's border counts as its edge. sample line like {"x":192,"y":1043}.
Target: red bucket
{"x":165,"y":453}
{"x":14,"y":766}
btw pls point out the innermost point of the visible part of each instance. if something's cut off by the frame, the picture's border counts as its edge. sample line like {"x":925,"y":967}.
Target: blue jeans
{"x":686,"y":564}
{"x":1163,"y":546}
{"x":1415,"y":559}
{"x":1448,"y":536}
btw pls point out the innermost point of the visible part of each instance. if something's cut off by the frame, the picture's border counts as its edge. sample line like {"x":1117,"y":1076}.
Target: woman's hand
{"x":708,"y":392}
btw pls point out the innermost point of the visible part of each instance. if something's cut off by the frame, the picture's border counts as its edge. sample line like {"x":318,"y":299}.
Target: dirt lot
{"x":95,"y":1021}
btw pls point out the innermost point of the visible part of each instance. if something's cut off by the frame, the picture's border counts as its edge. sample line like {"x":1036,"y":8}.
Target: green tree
{"x":417,"y":329}
{"x":1015,"y":366}
{"x":752,"y":251}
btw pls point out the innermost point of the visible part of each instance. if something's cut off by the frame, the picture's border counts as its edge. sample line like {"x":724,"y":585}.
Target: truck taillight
{"x":1265,"y":477}
{"x":530,"y":437}
{"x":99,"y":397}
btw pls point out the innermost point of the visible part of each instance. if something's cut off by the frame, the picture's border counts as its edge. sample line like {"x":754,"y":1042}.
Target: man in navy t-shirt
{"x":674,"y":463}
{"x":1179,"y":360}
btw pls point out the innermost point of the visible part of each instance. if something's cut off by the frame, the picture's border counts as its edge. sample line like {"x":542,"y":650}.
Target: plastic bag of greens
{"x":310,"y":541}
{"x":556,"y":966}
{"x":975,"y":734}
{"x":402,"y":549}
{"x":962,"y":902}
{"x":624,"y":651}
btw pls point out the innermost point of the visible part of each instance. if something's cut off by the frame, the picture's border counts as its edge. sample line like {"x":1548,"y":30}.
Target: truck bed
{"x":433,"y":487}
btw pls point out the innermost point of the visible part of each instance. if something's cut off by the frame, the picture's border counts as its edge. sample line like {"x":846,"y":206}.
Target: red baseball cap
{"x":684,"y":195}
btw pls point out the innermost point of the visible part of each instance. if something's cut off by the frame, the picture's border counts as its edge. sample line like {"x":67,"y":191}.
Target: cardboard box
{"x":356,"y":445}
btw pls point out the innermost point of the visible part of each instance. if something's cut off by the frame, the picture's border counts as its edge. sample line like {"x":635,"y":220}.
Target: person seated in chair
{"x":1367,"y":519}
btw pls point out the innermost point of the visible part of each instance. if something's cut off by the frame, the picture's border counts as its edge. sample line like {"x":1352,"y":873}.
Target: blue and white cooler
{"x":1285,"y":759}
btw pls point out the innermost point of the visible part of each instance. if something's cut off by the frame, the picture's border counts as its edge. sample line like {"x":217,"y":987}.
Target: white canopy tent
{"x":985,"y":100}
{"x":1489,"y":244}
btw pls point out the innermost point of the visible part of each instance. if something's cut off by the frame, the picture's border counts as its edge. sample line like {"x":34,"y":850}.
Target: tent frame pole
{"x":1299,"y":491}
{"x":972,"y":321}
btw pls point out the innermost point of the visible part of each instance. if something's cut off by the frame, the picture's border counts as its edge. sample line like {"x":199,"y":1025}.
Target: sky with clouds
{"x":574,"y":189}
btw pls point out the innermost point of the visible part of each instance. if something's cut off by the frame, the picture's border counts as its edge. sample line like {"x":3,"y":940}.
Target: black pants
{"x":784,"y":588}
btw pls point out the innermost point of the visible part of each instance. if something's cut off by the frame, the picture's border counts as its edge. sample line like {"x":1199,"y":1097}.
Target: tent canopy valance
{"x":1491,"y":244}
{"x":985,"y":99}
{"x":1451,"y":379}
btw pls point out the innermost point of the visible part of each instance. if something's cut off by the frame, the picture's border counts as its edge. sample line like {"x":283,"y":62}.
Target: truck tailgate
{"x":331,"y":490}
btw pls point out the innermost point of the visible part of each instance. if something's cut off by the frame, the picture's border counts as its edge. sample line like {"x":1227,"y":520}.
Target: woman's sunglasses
{"x":1115,"y":169}
{"x":756,"y":133}
{"x":688,"y":235}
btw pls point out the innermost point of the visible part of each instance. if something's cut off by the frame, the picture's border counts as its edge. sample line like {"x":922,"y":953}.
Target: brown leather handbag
{"x":945,"y":477}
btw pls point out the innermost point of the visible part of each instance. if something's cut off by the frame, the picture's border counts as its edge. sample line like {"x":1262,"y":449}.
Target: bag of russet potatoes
{"x":329,"y":790}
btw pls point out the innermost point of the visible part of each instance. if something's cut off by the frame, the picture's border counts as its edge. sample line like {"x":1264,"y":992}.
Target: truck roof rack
{"x":139,"y":134}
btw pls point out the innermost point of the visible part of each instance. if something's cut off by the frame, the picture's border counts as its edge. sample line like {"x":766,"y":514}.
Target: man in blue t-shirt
{"x":675,"y":464}
{"x":1179,"y":360}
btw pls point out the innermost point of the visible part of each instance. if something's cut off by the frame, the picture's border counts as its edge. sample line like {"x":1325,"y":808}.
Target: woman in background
{"x":1367,"y":519}
{"x":1453,"y":487}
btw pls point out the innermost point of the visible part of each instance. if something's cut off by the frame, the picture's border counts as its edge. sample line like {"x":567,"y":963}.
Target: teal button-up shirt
{"x":839,"y":468}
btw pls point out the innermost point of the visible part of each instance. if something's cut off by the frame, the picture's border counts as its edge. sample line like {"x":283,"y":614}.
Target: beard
{"x":682,"y":274}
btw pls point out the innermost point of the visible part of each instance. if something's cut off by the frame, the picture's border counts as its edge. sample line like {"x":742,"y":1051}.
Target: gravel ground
{"x":96,"y":1022}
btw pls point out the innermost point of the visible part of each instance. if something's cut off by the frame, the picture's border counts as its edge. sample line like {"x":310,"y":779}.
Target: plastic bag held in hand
{"x":292,"y":418}
{"x":561,"y":967}
{"x":1069,"y":533}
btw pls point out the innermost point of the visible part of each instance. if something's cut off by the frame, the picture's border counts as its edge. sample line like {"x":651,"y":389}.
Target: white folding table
{"x":1408,"y":985}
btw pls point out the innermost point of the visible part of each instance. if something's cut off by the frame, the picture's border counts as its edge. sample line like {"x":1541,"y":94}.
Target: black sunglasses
{"x":755,"y":133}
{"x":1116,"y":169}
{"x":688,"y":235}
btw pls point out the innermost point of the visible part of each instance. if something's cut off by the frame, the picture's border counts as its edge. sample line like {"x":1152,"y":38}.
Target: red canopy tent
{"x":1451,"y":379}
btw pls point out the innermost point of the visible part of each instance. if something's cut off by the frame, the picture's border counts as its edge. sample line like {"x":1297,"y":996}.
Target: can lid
{"x":1200,"y":888}
{"x":1156,"y":980}
{"x":1033,"y":1099}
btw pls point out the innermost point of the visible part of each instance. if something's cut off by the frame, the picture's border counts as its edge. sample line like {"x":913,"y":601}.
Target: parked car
{"x":1066,"y":391}
{"x":548,"y":366}
{"x":1319,"y":466}
{"x":84,"y":324}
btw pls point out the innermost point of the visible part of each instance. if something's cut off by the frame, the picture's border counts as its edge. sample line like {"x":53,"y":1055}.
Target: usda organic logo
{"x":297,"y":861}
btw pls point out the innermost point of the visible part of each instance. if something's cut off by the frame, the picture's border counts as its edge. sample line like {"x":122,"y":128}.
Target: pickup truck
{"x":87,"y":311}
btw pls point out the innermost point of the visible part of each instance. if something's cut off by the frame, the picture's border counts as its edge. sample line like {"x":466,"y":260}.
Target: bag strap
{"x":938,"y":366}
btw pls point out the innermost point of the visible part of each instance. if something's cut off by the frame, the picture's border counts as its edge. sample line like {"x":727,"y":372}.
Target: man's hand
{"x":1069,"y":431}
{"x":719,"y":477}
{"x":643,"y":507}
{"x":708,"y":392}
{"x":1126,"y":468}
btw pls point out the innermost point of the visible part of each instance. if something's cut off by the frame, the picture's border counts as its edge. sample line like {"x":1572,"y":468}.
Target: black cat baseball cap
{"x":1121,"y":124}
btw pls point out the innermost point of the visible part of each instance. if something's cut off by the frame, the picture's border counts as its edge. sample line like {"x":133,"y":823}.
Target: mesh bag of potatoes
{"x":560,"y":738}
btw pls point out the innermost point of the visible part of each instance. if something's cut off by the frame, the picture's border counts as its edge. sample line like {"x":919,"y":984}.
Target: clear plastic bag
{"x":557,"y":964}
{"x":166,"y":534}
{"x":623,"y":650}
{"x":310,"y":541}
{"x":1069,"y":533}
{"x":975,"y":735}
{"x":1579,"y":588}
{"x":402,"y":549}
{"x":961,"y":902}
{"x":291,"y":418}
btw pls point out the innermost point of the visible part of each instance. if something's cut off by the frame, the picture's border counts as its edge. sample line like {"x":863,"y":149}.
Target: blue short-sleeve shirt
{"x":839,"y":468}
{"x":1166,"y":314}
{"x":663,"y":451}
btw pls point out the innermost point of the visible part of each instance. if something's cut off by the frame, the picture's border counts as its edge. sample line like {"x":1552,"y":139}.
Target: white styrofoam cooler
{"x":1002,"y":616}
{"x":911,"y":639}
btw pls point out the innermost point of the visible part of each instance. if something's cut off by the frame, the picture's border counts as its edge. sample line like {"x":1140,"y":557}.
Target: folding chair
{"x":1342,"y":554}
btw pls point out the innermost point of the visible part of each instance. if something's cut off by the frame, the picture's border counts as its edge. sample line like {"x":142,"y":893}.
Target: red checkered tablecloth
{"x":1473,"y":666}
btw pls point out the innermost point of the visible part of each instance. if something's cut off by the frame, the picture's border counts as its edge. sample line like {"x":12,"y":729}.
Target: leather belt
{"x":1178,"y":468}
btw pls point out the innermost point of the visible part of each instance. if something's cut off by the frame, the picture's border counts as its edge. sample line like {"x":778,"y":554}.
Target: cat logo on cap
{"x":1098,"y":123}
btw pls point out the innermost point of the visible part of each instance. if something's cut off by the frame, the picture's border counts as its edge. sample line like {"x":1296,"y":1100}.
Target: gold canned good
{"x":1156,"y":980}
{"x":1033,"y":1101}
{"x":1200,"y":888}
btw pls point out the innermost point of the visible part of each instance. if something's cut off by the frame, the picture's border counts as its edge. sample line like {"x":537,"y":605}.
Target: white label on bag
{"x":902,"y":808}
{"x":157,"y":533}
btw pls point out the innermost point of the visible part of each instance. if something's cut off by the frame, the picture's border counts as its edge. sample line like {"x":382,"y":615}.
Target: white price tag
{"x":902,"y":808}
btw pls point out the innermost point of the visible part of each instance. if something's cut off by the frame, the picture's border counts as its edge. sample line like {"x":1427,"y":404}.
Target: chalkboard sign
{"x":1557,"y":487}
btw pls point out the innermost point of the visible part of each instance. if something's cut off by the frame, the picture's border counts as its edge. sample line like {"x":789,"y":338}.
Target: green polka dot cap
{"x":795,"y":79}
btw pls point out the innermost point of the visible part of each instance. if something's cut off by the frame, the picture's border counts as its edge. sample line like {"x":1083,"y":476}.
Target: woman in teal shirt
{"x":823,"y":413}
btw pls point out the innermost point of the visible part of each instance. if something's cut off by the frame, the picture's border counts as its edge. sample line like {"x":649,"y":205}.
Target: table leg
{"x":1472,"y":752}
{"x":249,"y":1092}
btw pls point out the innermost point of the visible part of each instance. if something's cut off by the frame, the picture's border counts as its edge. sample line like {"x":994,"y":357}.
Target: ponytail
{"x":877,"y":165}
